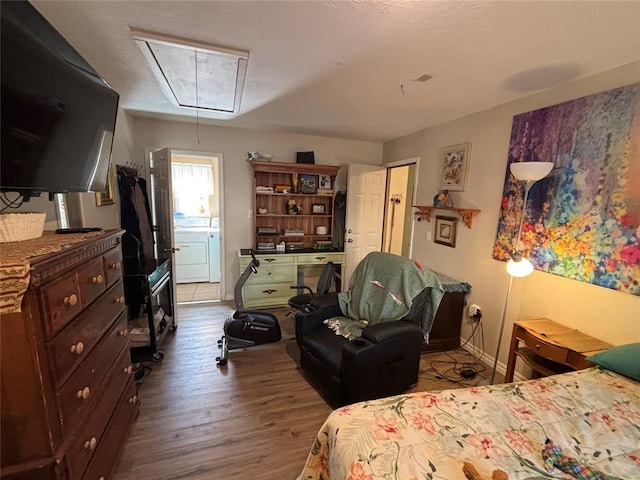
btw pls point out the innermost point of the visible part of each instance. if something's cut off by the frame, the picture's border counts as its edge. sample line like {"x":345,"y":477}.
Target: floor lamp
{"x":519,"y":266}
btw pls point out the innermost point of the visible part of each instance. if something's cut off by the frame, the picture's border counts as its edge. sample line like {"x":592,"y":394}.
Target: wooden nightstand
{"x":550,"y":348}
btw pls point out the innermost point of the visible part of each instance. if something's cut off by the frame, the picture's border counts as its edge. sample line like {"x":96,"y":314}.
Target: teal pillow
{"x":623,"y":359}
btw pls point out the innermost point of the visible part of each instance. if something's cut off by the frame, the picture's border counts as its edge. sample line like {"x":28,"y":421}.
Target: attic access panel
{"x":193,"y":74}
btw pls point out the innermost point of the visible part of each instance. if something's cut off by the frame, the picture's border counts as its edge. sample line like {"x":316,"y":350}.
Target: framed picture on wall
{"x":454,"y":167}
{"x":445,"y":231}
{"x":106,"y":197}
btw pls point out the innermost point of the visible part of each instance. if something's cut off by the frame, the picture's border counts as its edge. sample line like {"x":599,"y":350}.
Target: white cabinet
{"x":192,"y":256}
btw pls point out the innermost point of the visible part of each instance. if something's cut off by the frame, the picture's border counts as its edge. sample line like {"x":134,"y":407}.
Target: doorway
{"x":197,"y":218}
{"x":398,"y":216}
{"x":370,"y":224}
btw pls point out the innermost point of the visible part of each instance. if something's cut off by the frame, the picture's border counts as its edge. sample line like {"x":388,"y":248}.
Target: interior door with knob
{"x":162,"y":211}
{"x":366,"y":189}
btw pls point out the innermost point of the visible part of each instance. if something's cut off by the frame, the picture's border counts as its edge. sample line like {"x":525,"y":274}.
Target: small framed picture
{"x":317,"y":208}
{"x":445,"y":231}
{"x":106,"y":197}
{"x":308,"y":183}
{"x":454,"y":167}
{"x":324,"y":182}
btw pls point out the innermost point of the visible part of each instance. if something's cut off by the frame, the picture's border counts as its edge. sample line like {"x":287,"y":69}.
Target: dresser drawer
{"x":112,"y":266}
{"x":93,"y":432}
{"x":271,"y":274}
{"x":88,"y":380}
{"x":103,"y":461}
{"x":320,"y":258}
{"x":92,"y":281}
{"x":72,"y":345}
{"x":60,"y":302}
{"x":550,"y":351}
{"x":267,"y":260}
{"x":268,"y":294}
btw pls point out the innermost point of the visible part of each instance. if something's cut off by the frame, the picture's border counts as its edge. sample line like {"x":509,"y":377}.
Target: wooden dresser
{"x":68,"y":396}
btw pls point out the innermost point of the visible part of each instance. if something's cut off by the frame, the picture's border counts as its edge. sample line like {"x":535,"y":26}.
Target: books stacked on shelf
{"x":293,"y":232}
{"x":324,"y":191}
{"x":266,"y":231}
{"x":322,"y":245}
{"x":263,"y":189}
{"x":266,"y":246}
{"x":282,"y":188}
{"x":295,"y":246}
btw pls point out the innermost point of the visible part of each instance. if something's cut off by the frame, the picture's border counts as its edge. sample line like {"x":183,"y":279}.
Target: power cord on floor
{"x":461,"y":372}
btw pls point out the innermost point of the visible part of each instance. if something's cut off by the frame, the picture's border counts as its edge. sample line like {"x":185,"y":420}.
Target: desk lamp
{"x":519,"y":266}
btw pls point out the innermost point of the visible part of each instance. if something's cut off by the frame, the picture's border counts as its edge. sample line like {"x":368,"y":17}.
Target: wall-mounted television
{"x":58,"y":113}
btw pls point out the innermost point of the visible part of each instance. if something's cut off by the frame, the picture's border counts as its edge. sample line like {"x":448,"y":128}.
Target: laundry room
{"x":196,"y":218}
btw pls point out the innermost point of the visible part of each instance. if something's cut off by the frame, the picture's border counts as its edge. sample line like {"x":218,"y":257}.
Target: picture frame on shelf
{"x":445,"y":231}
{"x":318,"y":208}
{"x":324,"y":182}
{"x":308,"y":183}
{"x":454,"y":167}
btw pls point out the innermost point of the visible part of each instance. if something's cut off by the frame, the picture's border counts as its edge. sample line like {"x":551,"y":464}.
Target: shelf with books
{"x":294,"y":196}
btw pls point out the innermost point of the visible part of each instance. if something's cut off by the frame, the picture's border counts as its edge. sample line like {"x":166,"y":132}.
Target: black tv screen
{"x":58,"y":113}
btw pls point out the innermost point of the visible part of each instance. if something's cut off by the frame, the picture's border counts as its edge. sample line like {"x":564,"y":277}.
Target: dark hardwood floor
{"x":254,"y":418}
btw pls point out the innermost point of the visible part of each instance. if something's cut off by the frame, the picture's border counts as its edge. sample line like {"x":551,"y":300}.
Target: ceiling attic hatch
{"x":194,"y":74}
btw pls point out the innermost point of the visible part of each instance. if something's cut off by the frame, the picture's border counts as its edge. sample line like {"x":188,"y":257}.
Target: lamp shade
{"x":530,"y":171}
{"x":519,"y":266}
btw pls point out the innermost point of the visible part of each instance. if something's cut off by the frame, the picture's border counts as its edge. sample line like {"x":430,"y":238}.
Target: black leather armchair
{"x":384,"y":361}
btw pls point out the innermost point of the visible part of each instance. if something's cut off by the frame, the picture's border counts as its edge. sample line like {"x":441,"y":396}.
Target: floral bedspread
{"x":593,"y":415}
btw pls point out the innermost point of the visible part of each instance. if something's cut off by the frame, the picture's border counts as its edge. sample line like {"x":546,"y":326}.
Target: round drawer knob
{"x":133,"y":399}
{"x":71,"y":300}
{"x":77,"y":348}
{"x":84,"y":393}
{"x":123,"y":333}
{"x":120,"y":299}
{"x":97,"y":279}
{"x":115,"y":266}
{"x":128,"y":370}
{"x":537,"y":346}
{"x":91,"y":444}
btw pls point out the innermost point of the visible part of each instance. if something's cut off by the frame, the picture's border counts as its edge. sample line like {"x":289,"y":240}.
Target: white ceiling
{"x":347,"y":69}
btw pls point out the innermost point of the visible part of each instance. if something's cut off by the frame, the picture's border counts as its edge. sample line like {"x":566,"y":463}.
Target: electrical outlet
{"x":473,"y":310}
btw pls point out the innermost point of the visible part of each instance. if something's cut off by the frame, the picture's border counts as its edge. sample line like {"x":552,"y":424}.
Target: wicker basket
{"x":15,"y":227}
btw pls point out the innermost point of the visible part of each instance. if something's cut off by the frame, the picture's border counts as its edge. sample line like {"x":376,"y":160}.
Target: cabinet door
{"x":192,"y":261}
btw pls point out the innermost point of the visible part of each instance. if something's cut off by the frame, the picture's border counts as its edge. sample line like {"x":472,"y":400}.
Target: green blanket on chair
{"x":381,"y":289}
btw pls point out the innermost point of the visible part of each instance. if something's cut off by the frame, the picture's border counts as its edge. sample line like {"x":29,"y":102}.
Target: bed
{"x":490,"y":432}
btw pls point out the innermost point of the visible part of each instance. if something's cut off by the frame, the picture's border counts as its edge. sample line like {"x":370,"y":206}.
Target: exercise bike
{"x":247,"y":328}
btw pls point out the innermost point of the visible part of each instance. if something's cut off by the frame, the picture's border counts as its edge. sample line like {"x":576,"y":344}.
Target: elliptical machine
{"x":247,"y":328}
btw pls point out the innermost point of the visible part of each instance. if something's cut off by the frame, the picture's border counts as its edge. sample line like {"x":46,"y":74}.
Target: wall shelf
{"x":467,"y":214}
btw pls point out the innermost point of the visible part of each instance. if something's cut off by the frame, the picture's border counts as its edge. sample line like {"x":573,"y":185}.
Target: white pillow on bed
{"x":623,"y":359}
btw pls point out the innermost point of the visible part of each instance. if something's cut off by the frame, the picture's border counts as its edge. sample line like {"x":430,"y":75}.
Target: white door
{"x":162,"y":213}
{"x":366,"y":187}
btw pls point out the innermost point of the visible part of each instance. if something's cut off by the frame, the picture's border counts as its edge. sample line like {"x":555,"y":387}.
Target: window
{"x":192,"y":186}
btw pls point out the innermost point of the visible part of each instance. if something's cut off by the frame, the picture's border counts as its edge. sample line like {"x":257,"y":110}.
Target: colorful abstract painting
{"x":583,"y":220}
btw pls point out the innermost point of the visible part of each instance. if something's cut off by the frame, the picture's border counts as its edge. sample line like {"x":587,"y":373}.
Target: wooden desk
{"x":550,"y":348}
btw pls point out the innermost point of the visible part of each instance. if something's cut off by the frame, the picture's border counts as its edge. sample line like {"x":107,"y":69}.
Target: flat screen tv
{"x":58,"y":113}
